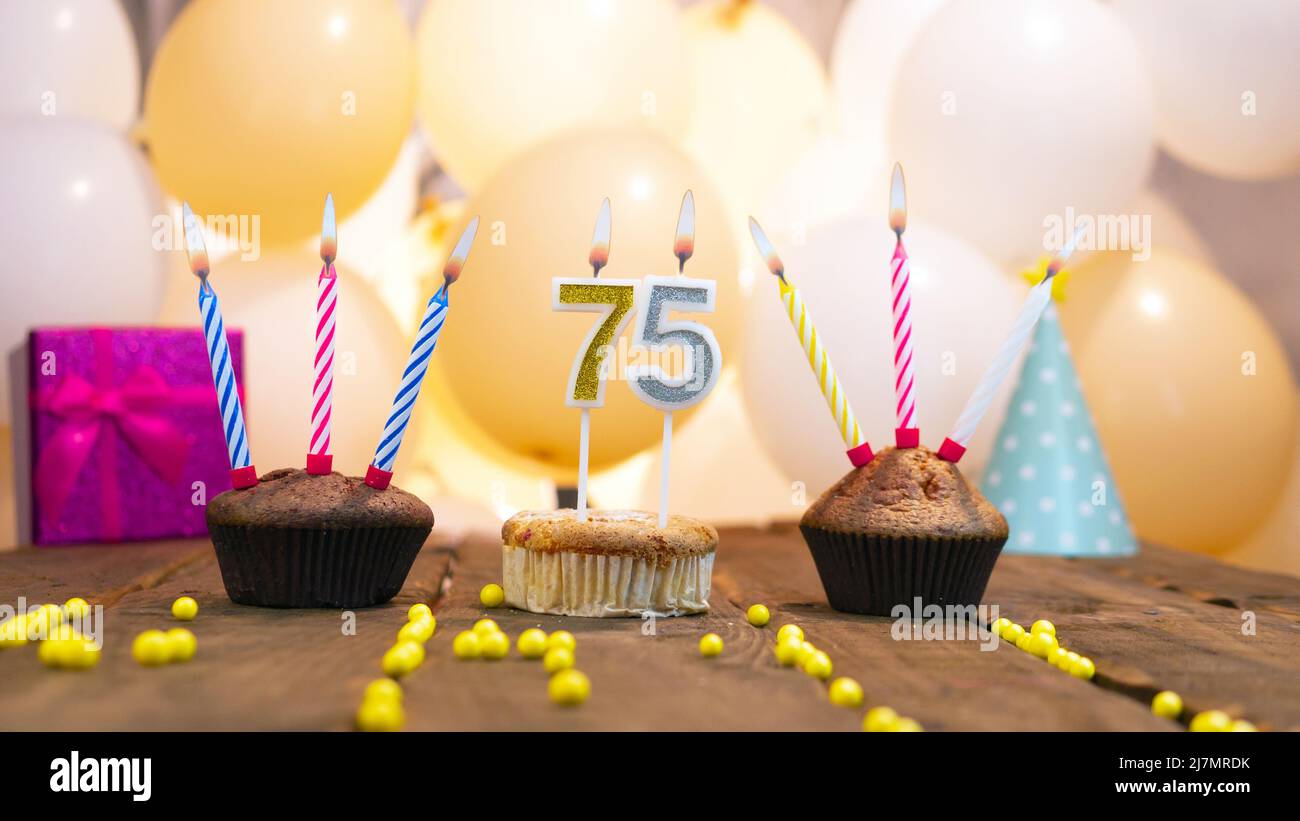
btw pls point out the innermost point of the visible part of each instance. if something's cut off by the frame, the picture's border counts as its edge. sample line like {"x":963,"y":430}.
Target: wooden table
{"x":1164,"y":619}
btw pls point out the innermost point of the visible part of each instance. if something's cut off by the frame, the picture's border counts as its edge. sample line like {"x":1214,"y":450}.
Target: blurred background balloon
{"x":506,"y":354}
{"x":1008,"y":111}
{"x":78,"y":223}
{"x":962,"y":302}
{"x":1275,"y":543}
{"x":1227,"y":81}
{"x":76,"y":58}
{"x":262,"y":108}
{"x":1192,"y":395}
{"x":497,"y":76}
{"x":273,"y":301}
{"x":760,"y":96}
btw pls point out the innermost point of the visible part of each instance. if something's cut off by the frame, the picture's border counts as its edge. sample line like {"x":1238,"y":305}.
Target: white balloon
{"x":760,"y":96}
{"x":1006,"y":112}
{"x":963,"y":307}
{"x":76,"y":226}
{"x":1227,"y":81}
{"x":76,"y":58}
{"x":870,"y":43}
{"x":832,"y":180}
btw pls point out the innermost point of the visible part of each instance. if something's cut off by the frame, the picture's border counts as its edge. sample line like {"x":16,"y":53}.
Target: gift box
{"x":124,"y":434}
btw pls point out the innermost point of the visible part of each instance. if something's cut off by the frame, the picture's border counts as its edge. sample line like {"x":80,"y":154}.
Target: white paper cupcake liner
{"x":584,"y":584}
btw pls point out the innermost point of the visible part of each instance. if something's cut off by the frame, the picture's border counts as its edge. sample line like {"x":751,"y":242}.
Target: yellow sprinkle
{"x":880,"y":720}
{"x":76,"y":607}
{"x":845,"y":692}
{"x":1013,"y":633}
{"x":1083,"y":668}
{"x":151,"y":648}
{"x":1043,"y":626}
{"x":711,"y":645}
{"x":418,"y":611}
{"x":383,"y":689}
{"x":788,"y":630}
{"x":466,"y":645}
{"x":1167,"y":704}
{"x":402,"y":658}
{"x":806,"y":651}
{"x":908,"y":725}
{"x":557,"y":659}
{"x":818,"y":665}
{"x":787,"y":651}
{"x":1211,"y":721}
{"x":1042,"y":644}
{"x":758,"y":615}
{"x":999,"y":626}
{"x":380,"y":716}
{"x":181,"y":644}
{"x":185,"y":608}
{"x":569,"y":688}
{"x":532,"y":643}
{"x":494,"y":646}
{"x":562,"y":638}
{"x":13,"y":631}
{"x":485,"y":626}
{"x":1059,"y":656}
{"x":1241,"y":725}
{"x":420,"y":630}
{"x":492,"y":595}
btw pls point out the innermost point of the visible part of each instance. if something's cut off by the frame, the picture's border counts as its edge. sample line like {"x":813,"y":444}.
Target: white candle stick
{"x":598,"y":257}
{"x":319,"y":459}
{"x":1039,"y":297}
{"x":907,"y":433}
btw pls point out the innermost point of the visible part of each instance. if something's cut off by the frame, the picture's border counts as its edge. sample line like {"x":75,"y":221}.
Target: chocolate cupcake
{"x":904,"y":526}
{"x":299,"y":540}
{"x":617,"y":563}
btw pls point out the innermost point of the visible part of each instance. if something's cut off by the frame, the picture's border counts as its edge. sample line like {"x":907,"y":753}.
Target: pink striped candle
{"x":906,"y":432}
{"x":319,"y":460}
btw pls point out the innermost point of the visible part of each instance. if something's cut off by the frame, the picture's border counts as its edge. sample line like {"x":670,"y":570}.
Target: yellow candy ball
{"x":562,"y":638}
{"x":1058,"y":656}
{"x":806,"y":651}
{"x":76,"y":607}
{"x":185,"y":608}
{"x":402,"y":658}
{"x":1083,"y":668}
{"x":484,"y":626}
{"x":1211,"y":721}
{"x":1167,"y":704}
{"x":466,"y":645}
{"x":787,"y":651}
{"x":758,"y":615}
{"x":908,"y":725}
{"x":880,"y":720}
{"x":1022,"y":641}
{"x":569,"y":688}
{"x":711,"y":645}
{"x":818,"y":665}
{"x":418,"y":611}
{"x":492,"y":595}
{"x":1241,"y":725}
{"x":1043,"y":626}
{"x":151,"y":648}
{"x":380,"y":716}
{"x":383,"y":689}
{"x":1042,"y":644}
{"x":789,"y":630}
{"x":532,"y":643}
{"x":51,"y":652}
{"x":13,"y":631}
{"x":494,"y":646}
{"x":1000,"y":625}
{"x":181,"y":644}
{"x":557,"y":659}
{"x":1070,"y":658}
{"x":845,"y":692}
{"x":85,"y":655}
{"x":420,"y":630}
{"x":1013,"y":633}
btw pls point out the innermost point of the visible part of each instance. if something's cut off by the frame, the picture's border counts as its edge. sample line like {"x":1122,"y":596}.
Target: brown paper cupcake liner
{"x":873,"y":574}
{"x":292,"y":567}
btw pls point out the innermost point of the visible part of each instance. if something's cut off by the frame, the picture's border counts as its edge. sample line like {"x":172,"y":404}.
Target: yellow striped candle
{"x":819,"y":360}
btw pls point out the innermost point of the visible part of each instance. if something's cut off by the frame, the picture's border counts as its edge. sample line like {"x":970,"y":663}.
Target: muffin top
{"x":291,"y":497}
{"x":906,"y":492}
{"x":610,"y":533}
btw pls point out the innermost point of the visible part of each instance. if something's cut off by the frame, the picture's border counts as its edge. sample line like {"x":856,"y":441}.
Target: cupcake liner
{"x":585,"y":584}
{"x":312,"y":567}
{"x":872,"y":574}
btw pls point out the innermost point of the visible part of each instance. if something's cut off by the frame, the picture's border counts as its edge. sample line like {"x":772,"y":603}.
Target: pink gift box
{"x":125,"y":435}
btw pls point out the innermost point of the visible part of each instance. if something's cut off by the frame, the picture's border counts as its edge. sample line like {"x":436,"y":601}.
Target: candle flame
{"x":684,"y":245}
{"x":456,"y":262}
{"x":765,"y":249}
{"x":329,"y":233}
{"x":599,"y":256}
{"x":195,"y":250}
{"x":898,"y":202}
{"x":1063,"y":256}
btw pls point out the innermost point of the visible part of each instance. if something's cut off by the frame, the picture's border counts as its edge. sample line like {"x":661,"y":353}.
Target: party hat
{"x":1048,"y":474}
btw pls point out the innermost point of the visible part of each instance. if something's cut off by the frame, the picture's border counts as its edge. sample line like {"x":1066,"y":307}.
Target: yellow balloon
{"x":760,"y":97}
{"x":1191,"y":391}
{"x":273,"y":300}
{"x":256,"y":108}
{"x":507,"y":355}
{"x":497,"y":76}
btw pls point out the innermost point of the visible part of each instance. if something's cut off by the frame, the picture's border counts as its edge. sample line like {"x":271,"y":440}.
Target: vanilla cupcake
{"x":617,"y":563}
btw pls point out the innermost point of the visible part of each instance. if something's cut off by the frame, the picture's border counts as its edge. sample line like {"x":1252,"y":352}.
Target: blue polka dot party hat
{"x":1048,"y":474}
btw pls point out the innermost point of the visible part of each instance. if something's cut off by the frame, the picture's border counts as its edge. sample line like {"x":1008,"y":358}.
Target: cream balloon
{"x":1227,"y":82}
{"x":497,"y":76}
{"x":1007,"y":112}
{"x":872,"y":38}
{"x":273,"y":300}
{"x":1275,"y":544}
{"x":963,"y":306}
{"x":831,"y":181}
{"x":1192,"y":395}
{"x":760,"y":96}
{"x":76,"y":222}
{"x":508,"y":354}
{"x":76,"y":58}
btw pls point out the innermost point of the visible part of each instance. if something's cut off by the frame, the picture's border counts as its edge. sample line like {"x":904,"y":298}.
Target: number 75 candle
{"x":242,"y":472}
